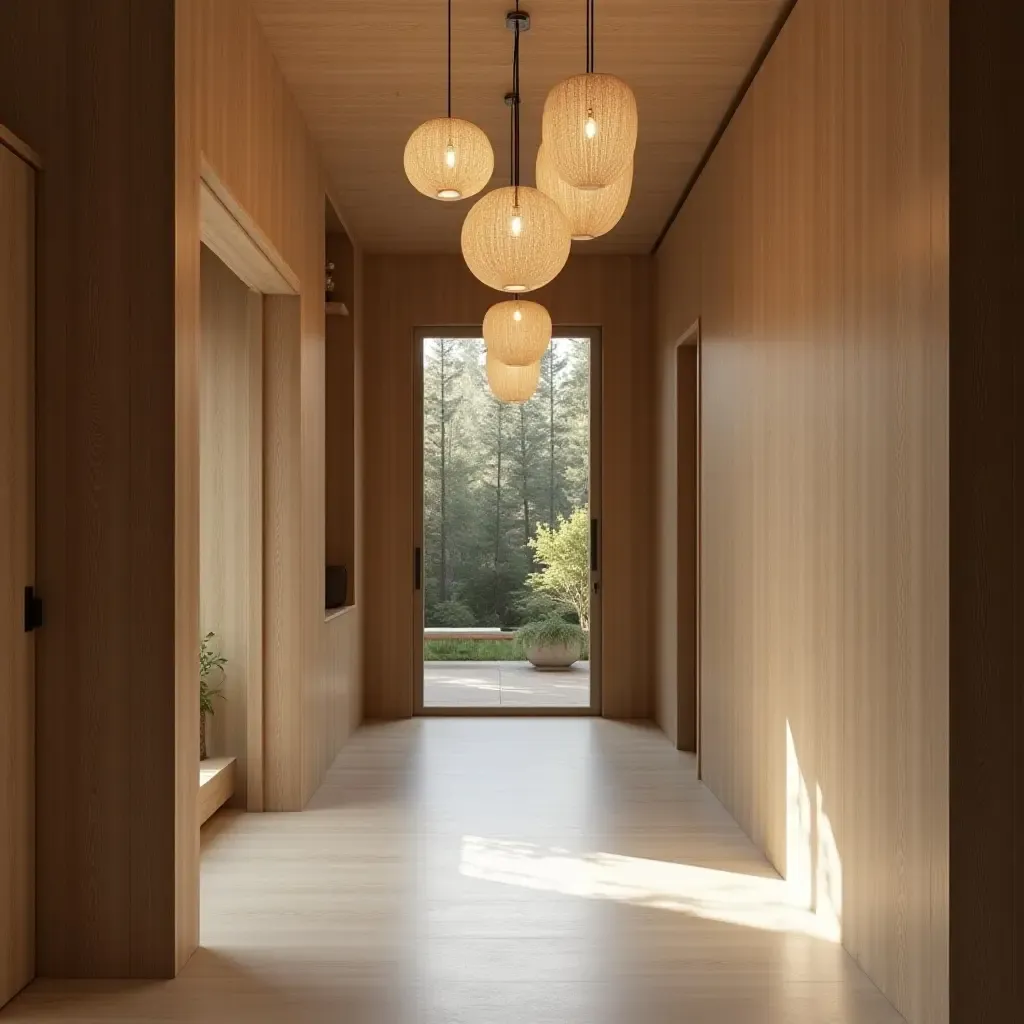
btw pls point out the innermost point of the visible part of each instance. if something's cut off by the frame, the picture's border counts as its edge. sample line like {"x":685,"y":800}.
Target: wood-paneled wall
{"x":814,"y":250}
{"x":403,"y":293}
{"x":237,"y":116}
{"x":91,"y":88}
{"x":986,"y":513}
{"x":231,"y":516}
{"x":122,"y":100}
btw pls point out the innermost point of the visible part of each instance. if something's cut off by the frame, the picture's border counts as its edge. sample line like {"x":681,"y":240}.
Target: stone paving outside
{"x":463,"y":684}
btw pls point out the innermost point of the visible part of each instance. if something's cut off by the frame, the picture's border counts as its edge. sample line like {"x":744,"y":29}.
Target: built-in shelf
{"x":216,"y":785}
{"x":333,"y":613}
{"x":337,"y":309}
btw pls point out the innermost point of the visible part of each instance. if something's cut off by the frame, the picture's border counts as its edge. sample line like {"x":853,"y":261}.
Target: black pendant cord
{"x":590,"y":36}
{"x":449,"y":59}
{"x":515,"y":110}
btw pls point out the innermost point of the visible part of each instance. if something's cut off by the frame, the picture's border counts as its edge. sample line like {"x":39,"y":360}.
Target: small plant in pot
{"x":552,"y":643}
{"x":211,"y":672}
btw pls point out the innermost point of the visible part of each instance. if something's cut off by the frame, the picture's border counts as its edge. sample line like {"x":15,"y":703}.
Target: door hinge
{"x":33,"y":610}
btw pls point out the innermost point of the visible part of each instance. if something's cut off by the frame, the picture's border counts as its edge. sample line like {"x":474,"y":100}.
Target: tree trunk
{"x":551,"y":432}
{"x":443,"y":593}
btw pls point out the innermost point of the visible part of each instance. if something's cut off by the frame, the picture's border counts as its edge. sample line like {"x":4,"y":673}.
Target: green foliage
{"x":477,"y":650}
{"x":211,"y":670}
{"x":565,"y":554}
{"x":491,"y":472}
{"x":471,"y":650}
{"x":551,"y":632}
{"x":452,"y":614}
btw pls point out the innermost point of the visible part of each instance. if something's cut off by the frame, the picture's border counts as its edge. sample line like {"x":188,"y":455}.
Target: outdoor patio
{"x":481,"y":684}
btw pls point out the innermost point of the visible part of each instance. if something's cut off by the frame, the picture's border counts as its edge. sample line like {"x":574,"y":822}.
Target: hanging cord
{"x":449,"y":59}
{"x":515,"y":107}
{"x":591,"y":27}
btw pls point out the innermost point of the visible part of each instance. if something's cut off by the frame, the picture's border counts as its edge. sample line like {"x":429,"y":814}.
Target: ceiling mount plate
{"x":518,"y":19}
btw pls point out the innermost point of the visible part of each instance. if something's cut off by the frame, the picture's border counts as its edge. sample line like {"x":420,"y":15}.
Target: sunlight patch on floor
{"x":724,"y":896}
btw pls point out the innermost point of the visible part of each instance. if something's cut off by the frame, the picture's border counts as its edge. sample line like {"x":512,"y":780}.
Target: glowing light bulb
{"x":449,"y":155}
{"x":590,"y":127}
{"x":516,"y":226}
{"x":517,"y":316}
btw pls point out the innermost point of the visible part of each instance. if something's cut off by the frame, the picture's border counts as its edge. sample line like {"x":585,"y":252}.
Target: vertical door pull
{"x":418,"y":568}
{"x":593,"y":545}
{"x":33,"y":610}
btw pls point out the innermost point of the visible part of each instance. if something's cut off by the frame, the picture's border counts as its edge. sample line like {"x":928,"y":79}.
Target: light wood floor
{"x":484,"y":871}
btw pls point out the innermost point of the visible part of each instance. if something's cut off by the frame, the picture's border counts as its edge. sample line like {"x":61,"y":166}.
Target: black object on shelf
{"x":336,"y":579}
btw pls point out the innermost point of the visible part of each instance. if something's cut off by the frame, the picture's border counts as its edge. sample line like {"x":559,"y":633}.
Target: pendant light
{"x":590,"y":124}
{"x":517,"y":332}
{"x":515,"y":239}
{"x":590,"y":212}
{"x":448,"y":158}
{"x":512,"y":383}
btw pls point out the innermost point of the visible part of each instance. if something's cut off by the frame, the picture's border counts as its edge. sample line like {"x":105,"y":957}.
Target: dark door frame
{"x":593,"y":335}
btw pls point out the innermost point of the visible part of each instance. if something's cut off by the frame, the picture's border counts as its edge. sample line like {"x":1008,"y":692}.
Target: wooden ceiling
{"x":367,"y":73}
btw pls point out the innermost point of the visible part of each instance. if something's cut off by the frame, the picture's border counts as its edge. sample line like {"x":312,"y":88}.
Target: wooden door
{"x":17,"y":567}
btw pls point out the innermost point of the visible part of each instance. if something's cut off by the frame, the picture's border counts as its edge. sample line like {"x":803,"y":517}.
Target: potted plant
{"x":211,"y":672}
{"x":552,"y":643}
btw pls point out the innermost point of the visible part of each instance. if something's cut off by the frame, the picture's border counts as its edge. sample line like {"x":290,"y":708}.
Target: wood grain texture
{"x":244,"y":130}
{"x":813,"y":249}
{"x":685,"y":693}
{"x":230,"y":241}
{"x":605,"y":885}
{"x":685,"y":60}
{"x":231,"y":515}
{"x":217,"y":780}
{"x":339,"y":415}
{"x":405,"y":292}
{"x":91,"y":89}
{"x":986,"y":515}
{"x":17,"y":570}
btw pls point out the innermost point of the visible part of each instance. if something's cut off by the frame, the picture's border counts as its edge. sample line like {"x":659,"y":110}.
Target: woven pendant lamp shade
{"x":512,"y":383}
{"x":590,"y":212}
{"x":515,"y":248}
{"x":517,"y":332}
{"x":589,"y":129}
{"x":447,"y":158}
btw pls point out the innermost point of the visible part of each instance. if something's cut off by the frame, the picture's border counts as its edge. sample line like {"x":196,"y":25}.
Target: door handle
{"x":593,"y":545}
{"x":33,"y":610}
{"x":418,"y":569}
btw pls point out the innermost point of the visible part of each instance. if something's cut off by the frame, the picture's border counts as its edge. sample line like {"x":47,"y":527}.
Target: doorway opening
{"x":688,"y":475}
{"x":507,"y":559}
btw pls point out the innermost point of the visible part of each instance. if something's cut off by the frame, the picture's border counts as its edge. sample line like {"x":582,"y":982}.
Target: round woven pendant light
{"x":590,"y":124}
{"x":515,"y":239}
{"x":590,"y":212}
{"x":589,"y":129}
{"x":512,"y":383}
{"x":517,"y":332}
{"x":447,"y":158}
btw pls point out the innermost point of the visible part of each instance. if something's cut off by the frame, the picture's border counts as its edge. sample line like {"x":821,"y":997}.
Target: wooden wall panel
{"x":986,"y":513}
{"x":820,"y":284}
{"x":405,"y":292}
{"x":246,"y":128}
{"x":91,"y":89}
{"x":231,"y":516}
{"x":17,"y":570}
{"x":122,"y":100}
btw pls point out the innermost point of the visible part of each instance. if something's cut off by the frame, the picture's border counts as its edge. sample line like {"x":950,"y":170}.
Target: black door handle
{"x":33,"y":610}
{"x":418,"y":568}
{"x":593,"y":545}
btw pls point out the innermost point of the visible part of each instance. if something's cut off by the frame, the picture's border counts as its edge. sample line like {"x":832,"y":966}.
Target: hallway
{"x":482,"y":871}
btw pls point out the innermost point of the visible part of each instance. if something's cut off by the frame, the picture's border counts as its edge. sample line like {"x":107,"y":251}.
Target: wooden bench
{"x":216,"y":785}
